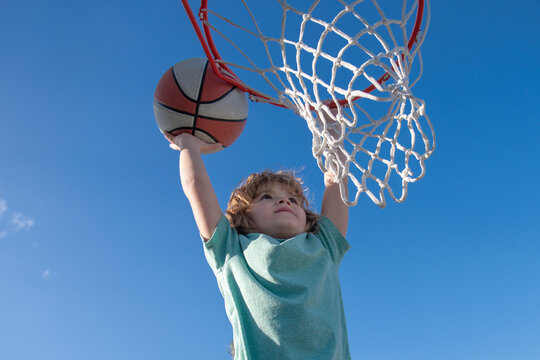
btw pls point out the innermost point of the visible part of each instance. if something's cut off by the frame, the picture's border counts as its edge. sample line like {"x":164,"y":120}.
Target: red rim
{"x":212,"y":53}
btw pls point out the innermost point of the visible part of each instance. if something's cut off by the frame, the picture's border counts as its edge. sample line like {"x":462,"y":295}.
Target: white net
{"x":347,"y":69}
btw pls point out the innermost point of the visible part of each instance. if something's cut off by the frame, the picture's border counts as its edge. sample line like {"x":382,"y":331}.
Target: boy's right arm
{"x":196,"y":182}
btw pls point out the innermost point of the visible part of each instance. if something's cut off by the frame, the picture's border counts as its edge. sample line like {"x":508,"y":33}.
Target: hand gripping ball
{"x":191,"y":98}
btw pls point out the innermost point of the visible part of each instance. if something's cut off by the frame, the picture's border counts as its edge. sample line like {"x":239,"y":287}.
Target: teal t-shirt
{"x":282,"y":297}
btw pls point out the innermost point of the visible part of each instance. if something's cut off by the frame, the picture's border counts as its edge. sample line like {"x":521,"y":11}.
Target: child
{"x":275,"y":261}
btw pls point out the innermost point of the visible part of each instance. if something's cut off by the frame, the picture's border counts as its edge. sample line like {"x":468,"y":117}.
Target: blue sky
{"x":100,"y":257}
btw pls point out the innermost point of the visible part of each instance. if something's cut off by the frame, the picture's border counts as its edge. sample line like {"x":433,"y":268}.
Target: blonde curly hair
{"x":241,"y":200}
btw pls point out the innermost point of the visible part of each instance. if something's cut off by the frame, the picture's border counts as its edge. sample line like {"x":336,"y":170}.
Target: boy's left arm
{"x":332,"y":206}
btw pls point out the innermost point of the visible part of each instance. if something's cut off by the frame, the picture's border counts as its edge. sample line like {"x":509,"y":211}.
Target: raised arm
{"x":196,"y":182}
{"x":332,"y":206}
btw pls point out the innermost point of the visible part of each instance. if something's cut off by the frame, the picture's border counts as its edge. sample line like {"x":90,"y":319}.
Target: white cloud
{"x":21,"y":222}
{"x":48,"y":274}
{"x":17,"y":221}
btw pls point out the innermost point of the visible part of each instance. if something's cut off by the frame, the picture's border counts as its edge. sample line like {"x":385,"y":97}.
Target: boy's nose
{"x":284,"y":200}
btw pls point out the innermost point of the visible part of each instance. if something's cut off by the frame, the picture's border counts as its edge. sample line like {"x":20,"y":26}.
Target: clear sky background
{"x":99,"y":254}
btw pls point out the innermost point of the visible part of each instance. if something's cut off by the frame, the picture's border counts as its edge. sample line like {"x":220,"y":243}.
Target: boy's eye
{"x":265,"y":196}
{"x":293,"y":200}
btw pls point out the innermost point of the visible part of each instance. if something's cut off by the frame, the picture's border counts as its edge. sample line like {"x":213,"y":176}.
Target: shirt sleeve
{"x":222,"y":245}
{"x":332,"y":239}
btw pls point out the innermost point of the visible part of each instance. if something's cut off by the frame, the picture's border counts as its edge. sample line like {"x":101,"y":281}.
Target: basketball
{"x":190,"y":98}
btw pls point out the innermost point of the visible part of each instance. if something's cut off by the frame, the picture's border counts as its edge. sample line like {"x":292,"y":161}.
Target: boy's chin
{"x":281,"y":230}
{"x":285,"y":233}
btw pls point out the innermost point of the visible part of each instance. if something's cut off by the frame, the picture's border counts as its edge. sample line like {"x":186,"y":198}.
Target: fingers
{"x":176,"y":143}
{"x":211,"y":148}
{"x":169,"y":137}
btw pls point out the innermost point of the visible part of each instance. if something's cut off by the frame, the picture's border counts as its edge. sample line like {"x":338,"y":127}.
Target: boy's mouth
{"x":284,"y":209}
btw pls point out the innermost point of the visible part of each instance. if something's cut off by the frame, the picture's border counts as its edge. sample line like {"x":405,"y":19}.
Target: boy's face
{"x":277,"y":212}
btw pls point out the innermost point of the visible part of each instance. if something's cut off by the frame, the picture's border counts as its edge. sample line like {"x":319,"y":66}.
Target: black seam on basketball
{"x":198,"y":102}
{"x":219,"y":98}
{"x":221,"y":119}
{"x":181,"y":128}
{"x":195,"y":129}
{"x":208,"y":134}
{"x":200,"y":116}
{"x":179,"y":87}
{"x":173,"y":109}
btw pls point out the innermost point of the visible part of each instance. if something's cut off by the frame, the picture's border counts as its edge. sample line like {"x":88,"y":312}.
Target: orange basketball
{"x":191,"y":98}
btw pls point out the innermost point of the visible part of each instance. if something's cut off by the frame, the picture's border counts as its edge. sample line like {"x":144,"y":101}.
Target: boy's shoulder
{"x":332,"y":239}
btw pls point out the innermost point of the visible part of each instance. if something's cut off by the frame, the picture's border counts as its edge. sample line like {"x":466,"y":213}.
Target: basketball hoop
{"x":345,"y":68}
